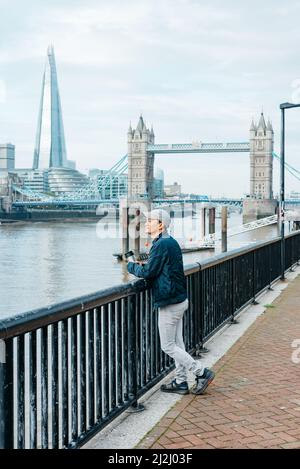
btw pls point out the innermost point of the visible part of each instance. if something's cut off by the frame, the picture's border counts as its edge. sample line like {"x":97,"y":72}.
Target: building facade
{"x":7,"y":156}
{"x":172,"y":190}
{"x":54,"y":181}
{"x":32,"y":179}
{"x":63,"y":180}
{"x":7,"y":180}
{"x":158,"y":183}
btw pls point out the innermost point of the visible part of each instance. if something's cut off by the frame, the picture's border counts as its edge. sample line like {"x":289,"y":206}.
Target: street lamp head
{"x":288,"y":105}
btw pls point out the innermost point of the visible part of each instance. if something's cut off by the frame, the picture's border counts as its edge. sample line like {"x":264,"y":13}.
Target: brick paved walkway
{"x":254,"y":401}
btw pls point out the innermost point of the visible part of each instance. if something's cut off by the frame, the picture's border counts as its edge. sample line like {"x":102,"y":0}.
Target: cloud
{"x":195,"y":69}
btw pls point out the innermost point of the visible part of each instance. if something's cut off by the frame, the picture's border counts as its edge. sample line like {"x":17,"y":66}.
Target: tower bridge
{"x":139,"y":162}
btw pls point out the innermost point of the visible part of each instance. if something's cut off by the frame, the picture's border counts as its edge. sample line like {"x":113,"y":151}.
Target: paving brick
{"x":194,"y":439}
{"x":210,"y":434}
{"x":286,"y":437}
{"x":216,"y":443}
{"x":245,"y":431}
{"x":254,"y":446}
{"x":233,"y":437}
{"x":191,"y":431}
{"x":176,"y":427}
{"x":164,"y":440}
{"x":182,"y":445}
{"x":294,"y":445}
{"x":294,"y":432}
{"x":272,"y":442}
{"x":171,"y":434}
{"x":266,"y":435}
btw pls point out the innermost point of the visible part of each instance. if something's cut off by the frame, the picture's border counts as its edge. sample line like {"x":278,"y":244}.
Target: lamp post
{"x":283,"y":107}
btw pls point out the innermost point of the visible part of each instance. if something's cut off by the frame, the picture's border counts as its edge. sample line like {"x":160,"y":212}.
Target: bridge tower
{"x":140,"y":163}
{"x":261,"y":159}
{"x":260,"y":202}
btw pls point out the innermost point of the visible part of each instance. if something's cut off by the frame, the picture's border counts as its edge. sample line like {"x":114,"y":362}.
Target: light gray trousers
{"x":171,"y":339}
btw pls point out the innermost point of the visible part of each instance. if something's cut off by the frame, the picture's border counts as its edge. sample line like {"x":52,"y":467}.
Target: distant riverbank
{"x":52,"y":215}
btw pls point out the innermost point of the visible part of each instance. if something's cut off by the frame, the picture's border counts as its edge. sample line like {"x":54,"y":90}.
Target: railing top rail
{"x":32,"y":320}
{"x":223,"y":257}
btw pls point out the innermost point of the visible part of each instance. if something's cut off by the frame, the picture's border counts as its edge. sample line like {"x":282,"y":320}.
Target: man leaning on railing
{"x":164,"y":271}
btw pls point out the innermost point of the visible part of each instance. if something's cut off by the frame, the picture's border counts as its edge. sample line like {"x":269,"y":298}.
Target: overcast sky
{"x":197,"y":70}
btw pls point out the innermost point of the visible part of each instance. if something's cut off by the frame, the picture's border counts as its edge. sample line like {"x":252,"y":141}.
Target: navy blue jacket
{"x":164,"y":270}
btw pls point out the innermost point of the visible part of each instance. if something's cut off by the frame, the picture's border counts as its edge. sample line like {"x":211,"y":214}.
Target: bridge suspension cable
{"x":289,"y":167}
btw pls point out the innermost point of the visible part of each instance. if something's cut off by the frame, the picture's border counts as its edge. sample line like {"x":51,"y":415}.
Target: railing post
{"x":6,"y":394}
{"x":292,"y":254}
{"x":133,"y":357}
{"x":224,"y":229}
{"x":196,"y":311}
{"x":202,"y":306}
{"x":212,"y":220}
{"x":200,"y":347}
{"x":233,"y":320}
{"x":202,"y":222}
{"x":270,"y":269}
{"x":254,"y":302}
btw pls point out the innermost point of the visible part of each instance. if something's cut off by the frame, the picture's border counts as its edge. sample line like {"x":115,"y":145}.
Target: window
{"x":259,"y":144}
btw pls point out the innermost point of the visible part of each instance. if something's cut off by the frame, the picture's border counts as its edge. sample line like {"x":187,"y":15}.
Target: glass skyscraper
{"x":50,"y":147}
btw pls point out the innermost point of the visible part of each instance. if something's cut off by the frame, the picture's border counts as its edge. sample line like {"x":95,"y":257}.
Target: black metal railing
{"x":69,"y":369}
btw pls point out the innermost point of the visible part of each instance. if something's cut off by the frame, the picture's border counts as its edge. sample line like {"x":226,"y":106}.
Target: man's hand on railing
{"x":140,"y":285}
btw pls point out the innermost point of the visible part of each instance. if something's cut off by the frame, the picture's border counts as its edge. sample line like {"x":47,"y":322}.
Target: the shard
{"x":50,"y":147}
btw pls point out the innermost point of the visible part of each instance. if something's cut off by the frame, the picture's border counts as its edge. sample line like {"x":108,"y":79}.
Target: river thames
{"x":48,"y":262}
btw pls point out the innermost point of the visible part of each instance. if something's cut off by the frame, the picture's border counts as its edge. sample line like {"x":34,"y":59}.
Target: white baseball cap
{"x":159,"y":214}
